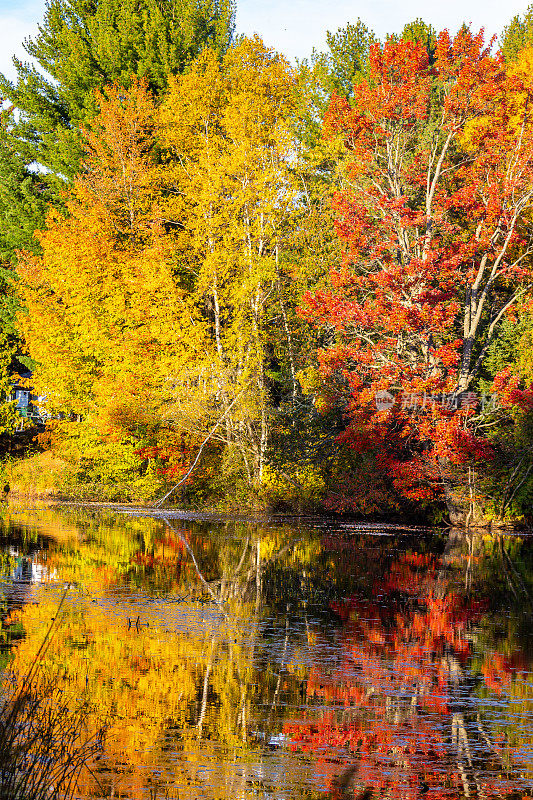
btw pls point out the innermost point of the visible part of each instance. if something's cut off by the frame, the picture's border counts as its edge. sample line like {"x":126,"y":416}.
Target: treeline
{"x":312,"y":282}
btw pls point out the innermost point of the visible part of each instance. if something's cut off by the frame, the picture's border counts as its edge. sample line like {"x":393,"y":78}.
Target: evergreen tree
{"x":420,"y":31}
{"x":348,"y":56}
{"x":22,"y":202}
{"x":83,"y":45}
{"x":336,"y":70}
{"x":86,"y":44}
{"x":517,"y":35}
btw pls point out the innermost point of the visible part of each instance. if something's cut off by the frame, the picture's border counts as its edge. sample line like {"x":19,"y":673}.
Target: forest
{"x":233,"y":282}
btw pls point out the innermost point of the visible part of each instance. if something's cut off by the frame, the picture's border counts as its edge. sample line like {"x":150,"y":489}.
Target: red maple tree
{"x":433,"y":215}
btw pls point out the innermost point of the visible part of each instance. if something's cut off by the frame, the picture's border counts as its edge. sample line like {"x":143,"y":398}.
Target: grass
{"x":38,"y":475}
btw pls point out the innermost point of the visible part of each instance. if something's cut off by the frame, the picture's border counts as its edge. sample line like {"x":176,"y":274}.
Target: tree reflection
{"x":277,"y":661}
{"x":401,"y":700}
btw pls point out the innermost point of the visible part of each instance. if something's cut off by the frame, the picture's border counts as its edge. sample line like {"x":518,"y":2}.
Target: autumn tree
{"x":81,"y":47}
{"x":105,"y":319}
{"x":307,"y":447}
{"x":228,"y":140}
{"x":434,"y":222}
{"x":162,"y":281}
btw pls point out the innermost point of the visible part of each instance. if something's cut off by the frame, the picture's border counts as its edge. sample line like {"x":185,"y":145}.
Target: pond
{"x":281,"y":659}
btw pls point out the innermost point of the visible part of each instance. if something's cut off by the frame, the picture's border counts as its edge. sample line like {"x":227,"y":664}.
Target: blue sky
{"x":294,"y":27}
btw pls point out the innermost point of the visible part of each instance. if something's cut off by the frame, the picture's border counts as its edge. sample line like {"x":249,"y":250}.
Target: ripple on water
{"x":235,"y":659}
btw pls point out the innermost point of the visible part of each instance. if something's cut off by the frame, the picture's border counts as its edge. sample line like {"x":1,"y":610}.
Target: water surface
{"x":275,"y":660}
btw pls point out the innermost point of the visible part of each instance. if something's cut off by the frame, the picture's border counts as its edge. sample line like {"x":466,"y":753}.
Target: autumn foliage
{"x":432,"y":215}
{"x":157,"y":287}
{"x":189,"y":299}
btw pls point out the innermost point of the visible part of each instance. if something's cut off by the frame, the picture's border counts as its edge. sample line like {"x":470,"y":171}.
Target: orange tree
{"x":434,"y":220}
{"x":106,"y":320}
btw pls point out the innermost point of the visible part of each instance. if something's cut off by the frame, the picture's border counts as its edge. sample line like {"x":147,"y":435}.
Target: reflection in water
{"x":236,"y":660}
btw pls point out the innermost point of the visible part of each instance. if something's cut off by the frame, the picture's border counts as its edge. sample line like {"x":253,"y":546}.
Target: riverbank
{"x":255,"y":518}
{"x":45,"y":476}
{"x":338,"y":521}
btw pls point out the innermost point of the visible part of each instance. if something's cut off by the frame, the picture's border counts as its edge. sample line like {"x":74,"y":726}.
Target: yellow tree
{"x":155,"y":295}
{"x":111,"y":329}
{"x":521,"y":333}
{"x":225,"y":130}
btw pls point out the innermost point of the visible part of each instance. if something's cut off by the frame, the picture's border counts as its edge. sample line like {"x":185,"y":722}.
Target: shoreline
{"x":232,"y":516}
{"x":278,"y":518}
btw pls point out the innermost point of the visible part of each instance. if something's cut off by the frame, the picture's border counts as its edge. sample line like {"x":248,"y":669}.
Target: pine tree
{"x":517,"y":35}
{"x":336,"y":70}
{"x":420,"y":31}
{"x":85,"y":44}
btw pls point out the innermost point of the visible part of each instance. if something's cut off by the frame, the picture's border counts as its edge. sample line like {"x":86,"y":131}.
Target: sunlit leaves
{"x":438,"y":192}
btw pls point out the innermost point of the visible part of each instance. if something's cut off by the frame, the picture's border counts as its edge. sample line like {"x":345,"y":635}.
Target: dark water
{"x":240,"y":660}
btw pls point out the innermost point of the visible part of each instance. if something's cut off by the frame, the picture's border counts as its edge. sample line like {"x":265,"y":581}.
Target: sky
{"x":294,"y":27}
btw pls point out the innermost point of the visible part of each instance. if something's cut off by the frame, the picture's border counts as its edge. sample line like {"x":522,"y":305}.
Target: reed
{"x":44,"y":740}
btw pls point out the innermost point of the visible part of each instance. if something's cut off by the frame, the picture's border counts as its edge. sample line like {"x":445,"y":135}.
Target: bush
{"x":40,"y":474}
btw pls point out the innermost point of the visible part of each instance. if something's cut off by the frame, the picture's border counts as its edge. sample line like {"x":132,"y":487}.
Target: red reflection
{"x":400,"y":716}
